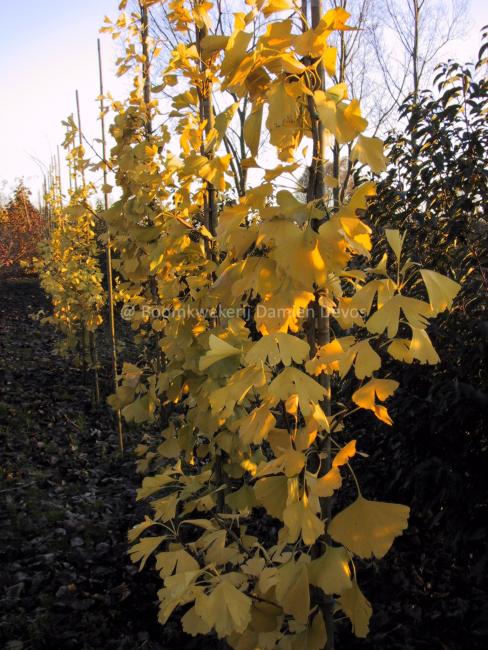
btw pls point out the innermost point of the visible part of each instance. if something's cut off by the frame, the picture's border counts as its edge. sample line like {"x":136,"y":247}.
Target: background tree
{"x":409,"y":36}
{"x":21,"y":229}
{"x":438,"y":454}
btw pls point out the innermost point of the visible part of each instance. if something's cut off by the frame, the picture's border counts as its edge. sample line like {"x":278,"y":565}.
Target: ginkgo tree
{"x":265,"y":302}
{"x":68,"y":264}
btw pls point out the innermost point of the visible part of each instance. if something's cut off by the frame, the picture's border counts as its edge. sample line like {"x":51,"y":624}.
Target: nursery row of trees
{"x":273,"y":290}
{"x":22,"y":227}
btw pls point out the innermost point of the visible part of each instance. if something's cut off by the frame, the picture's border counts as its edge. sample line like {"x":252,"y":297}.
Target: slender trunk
{"x":83,"y":351}
{"x":80,"y":136}
{"x":416,"y":82}
{"x":83,"y":341}
{"x":146,"y":76}
{"x":207,"y":114}
{"x":146,"y":66}
{"x":321,"y":324}
{"x":336,"y":151}
{"x":210,"y":209}
{"x":60,"y":186}
{"x":94,"y":365}
{"x":108,"y":253}
{"x":96,"y":382}
{"x":415,"y":50}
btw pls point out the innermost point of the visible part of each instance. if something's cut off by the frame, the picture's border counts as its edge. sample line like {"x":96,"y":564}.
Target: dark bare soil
{"x":67,"y":499}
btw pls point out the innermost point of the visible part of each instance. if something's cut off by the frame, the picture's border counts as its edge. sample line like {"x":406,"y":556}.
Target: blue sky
{"x":48,"y":49}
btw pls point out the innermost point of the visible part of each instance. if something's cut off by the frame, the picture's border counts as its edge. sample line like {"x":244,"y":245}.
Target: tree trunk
{"x":320,"y":332}
{"x":108,"y":258}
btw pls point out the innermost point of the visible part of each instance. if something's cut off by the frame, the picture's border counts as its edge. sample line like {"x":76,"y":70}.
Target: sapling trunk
{"x":210,"y":213}
{"x":94,"y":366}
{"x":148,"y":127}
{"x":108,"y":254}
{"x":319,"y":330}
{"x":92,"y":344}
{"x":83,"y":351}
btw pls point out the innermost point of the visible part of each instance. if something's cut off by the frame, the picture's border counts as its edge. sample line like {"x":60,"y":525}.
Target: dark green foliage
{"x":435,"y":456}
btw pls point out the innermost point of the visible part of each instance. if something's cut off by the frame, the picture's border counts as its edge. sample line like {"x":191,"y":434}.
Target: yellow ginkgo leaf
{"x":235,"y":52}
{"x":367,"y":360}
{"x":226,"y":609}
{"x":194,"y":624}
{"x":280,"y":440}
{"x":282,"y":311}
{"x":222,"y":121}
{"x":395,"y":239}
{"x":291,"y":208}
{"x":292,"y":404}
{"x":301,"y":520}
{"x":219,"y":350}
{"x":272,"y":6}
{"x":289,"y":461}
{"x":239,"y":384}
{"x":365,"y":397}
{"x":297,"y":252}
{"x":332,"y":357}
{"x":399,"y":350}
{"x":292,"y":590}
{"x":331,"y":571}
{"x":326,"y":485}
{"x":144,"y":548}
{"x":368,"y":528}
{"x":211,"y":44}
{"x":369,"y":151}
{"x":329,"y":60}
{"x":387,"y":316}
{"x":136,"y":531}
{"x":343,"y":120}
{"x":142,"y":410}
{"x":283,"y":120}
{"x":314,"y":637}
{"x":345,"y":454}
{"x":175,"y":592}
{"x":178,"y":561}
{"x":271,"y":174}
{"x":254,"y":428}
{"x":441,"y":289}
{"x":252,"y":129}
{"x":214,"y":170}
{"x":272,"y":493}
{"x":421,"y":348}
{"x":152,"y":484}
{"x":357,"y":609}
{"x":292,"y":381}
{"x":169,"y":448}
{"x":165,"y":508}
{"x":242,"y":500}
{"x":279,"y":347}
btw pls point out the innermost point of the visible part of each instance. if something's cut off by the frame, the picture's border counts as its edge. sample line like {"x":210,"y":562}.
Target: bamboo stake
{"x":94,"y":363}
{"x":83,"y":351}
{"x":59,"y":176}
{"x":111,"y":305}
{"x":80,"y":134}
{"x":70,"y":170}
{"x":91,"y":337}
